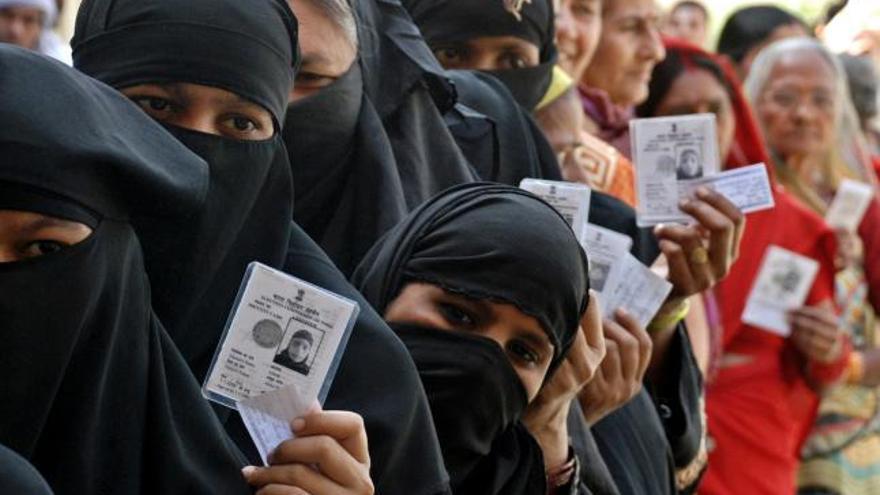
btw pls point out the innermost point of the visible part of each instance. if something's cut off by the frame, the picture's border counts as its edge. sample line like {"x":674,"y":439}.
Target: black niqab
{"x":464,"y":240}
{"x":349,"y":190}
{"x":95,"y":395}
{"x":248,"y":49}
{"x":447,"y":21}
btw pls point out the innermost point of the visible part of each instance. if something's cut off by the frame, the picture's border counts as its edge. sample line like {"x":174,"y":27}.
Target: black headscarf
{"x":95,"y":395}
{"x":466,"y":240}
{"x":248,"y":48}
{"x":450,"y":21}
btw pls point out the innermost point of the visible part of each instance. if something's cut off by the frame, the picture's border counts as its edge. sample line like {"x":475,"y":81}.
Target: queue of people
{"x":374,"y":149}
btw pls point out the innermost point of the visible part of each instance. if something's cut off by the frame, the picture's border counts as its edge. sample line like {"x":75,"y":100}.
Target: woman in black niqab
{"x":448,"y":26}
{"x":467,"y":241}
{"x":95,"y":395}
{"x":249,"y":49}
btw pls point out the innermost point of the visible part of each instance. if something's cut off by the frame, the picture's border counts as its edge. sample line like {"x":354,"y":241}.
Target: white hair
{"x":849,"y":137}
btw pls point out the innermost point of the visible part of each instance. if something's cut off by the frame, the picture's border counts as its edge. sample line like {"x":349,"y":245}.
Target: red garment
{"x":759,"y":411}
{"x":611,"y":119}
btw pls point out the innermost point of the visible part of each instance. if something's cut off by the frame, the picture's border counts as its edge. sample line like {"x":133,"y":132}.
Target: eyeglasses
{"x":790,"y":100}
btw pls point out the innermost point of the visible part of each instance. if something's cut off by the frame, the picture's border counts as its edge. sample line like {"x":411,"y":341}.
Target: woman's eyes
{"x":449,"y":55}
{"x":523,"y":352}
{"x":513,"y":60}
{"x":457,"y":316}
{"x":35,"y":249}
{"x":312,"y":80}
{"x":241,"y":124}
{"x":153,"y":105}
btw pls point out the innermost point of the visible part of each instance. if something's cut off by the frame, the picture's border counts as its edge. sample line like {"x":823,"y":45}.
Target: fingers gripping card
{"x":284,"y":337}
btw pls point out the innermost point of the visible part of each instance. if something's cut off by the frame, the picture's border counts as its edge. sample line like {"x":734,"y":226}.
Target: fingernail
{"x":702,"y":191}
{"x":247,"y":471}
{"x":659,"y":228}
{"x":683,"y":203}
{"x":622,"y":313}
{"x":298,"y":424}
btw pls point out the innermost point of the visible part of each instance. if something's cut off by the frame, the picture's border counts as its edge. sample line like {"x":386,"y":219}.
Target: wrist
{"x":670,"y":315}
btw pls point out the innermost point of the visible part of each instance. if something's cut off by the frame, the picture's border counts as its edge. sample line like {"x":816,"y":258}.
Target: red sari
{"x":760,"y":410}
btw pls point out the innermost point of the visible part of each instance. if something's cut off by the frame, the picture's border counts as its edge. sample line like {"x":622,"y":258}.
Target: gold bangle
{"x":662,"y":322}
{"x":855,"y":368}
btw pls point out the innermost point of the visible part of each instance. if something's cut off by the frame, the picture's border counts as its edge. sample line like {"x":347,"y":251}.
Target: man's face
{"x":298,"y":349}
{"x":21,"y":26}
{"x":629,"y":48}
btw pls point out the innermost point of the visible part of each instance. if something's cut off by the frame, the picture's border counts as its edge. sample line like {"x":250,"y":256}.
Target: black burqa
{"x":469,"y":241}
{"x":374,"y":141}
{"x":349,"y":192}
{"x":245,"y":48}
{"x":95,"y":394}
{"x":248,"y":216}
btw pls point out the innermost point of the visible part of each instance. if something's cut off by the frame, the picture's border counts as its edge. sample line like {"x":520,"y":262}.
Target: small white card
{"x":748,"y":188}
{"x":636,"y":289}
{"x":605,"y":248}
{"x":783,"y":283}
{"x":284,"y":336}
{"x":267,"y":417}
{"x":669,"y":152}
{"x":849,"y":205}
{"x":571,"y":200}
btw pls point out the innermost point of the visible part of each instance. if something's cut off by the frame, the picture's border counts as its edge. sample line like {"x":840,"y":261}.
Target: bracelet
{"x":563,"y":475}
{"x":855,"y":368}
{"x":665,"y":321}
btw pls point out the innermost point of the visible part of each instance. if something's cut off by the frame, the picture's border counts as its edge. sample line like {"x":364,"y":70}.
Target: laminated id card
{"x":571,"y":200}
{"x":279,"y":352}
{"x":281,"y":331}
{"x":668,"y":153}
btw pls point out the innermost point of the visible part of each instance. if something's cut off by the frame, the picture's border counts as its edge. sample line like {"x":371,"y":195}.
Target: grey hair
{"x":341,"y":13}
{"x":850,"y":145}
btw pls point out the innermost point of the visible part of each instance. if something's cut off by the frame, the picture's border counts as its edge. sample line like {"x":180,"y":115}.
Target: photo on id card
{"x":282,"y":331}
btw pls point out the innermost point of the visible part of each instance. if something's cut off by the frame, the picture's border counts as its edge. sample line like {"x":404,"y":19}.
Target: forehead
{"x":804,"y":67}
{"x":696,"y":83}
{"x":630,"y":8}
{"x":21,"y":10}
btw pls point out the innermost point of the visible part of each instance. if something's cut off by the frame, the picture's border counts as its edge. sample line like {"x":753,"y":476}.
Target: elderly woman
{"x":758,"y":381}
{"x":800,"y":92}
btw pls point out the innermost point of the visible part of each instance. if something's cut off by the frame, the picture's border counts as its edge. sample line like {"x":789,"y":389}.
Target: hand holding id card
{"x":279,"y":352}
{"x":674,"y":156}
